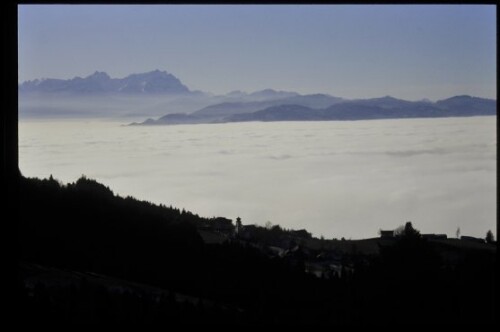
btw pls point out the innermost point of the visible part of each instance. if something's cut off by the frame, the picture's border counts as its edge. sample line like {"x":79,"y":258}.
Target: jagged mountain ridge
{"x":154,"y":82}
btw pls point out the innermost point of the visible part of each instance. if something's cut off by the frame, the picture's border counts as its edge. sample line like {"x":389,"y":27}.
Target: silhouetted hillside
{"x":87,"y":255}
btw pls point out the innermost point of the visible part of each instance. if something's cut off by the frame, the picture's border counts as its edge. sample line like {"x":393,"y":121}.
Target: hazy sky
{"x":410,"y":52}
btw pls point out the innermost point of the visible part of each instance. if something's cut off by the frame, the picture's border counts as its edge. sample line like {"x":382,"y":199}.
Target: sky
{"x":351,"y":51}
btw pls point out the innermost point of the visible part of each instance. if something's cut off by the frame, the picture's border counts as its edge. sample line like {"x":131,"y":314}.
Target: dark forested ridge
{"x":87,"y":255}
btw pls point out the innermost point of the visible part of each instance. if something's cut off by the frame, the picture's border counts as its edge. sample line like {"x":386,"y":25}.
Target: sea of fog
{"x":336,"y":179}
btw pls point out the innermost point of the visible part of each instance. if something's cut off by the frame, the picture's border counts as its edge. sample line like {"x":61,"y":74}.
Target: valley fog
{"x":334,"y":178}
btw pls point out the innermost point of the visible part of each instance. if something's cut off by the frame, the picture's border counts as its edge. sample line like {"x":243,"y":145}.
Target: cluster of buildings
{"x":283,"y":244}
{"x":294,"y":245}
{"x":393,"y":234}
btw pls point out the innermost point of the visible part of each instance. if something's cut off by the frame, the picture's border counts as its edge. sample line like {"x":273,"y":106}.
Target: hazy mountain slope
{"x":379,"y":108}
{"x":468,"y":105}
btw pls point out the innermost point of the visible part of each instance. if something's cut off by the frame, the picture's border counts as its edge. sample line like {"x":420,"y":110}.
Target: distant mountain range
{"x":154,"y":82}
{"x":191,"y":107}
{"x":295,"y":109}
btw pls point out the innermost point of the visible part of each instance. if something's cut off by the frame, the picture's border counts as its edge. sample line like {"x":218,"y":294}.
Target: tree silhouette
{"x":490,"y":238}
{"x":407,"y":231}
{"x":411,"y":232}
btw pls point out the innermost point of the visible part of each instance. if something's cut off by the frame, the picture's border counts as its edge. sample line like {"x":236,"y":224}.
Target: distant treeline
{"x":84,"y":227}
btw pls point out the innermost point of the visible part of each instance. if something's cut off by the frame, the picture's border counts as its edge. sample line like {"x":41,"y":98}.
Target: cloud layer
{"x":337,"y":179}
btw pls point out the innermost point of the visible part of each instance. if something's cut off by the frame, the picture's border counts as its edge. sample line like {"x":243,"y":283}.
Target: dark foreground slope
{"x":87,"y":255}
